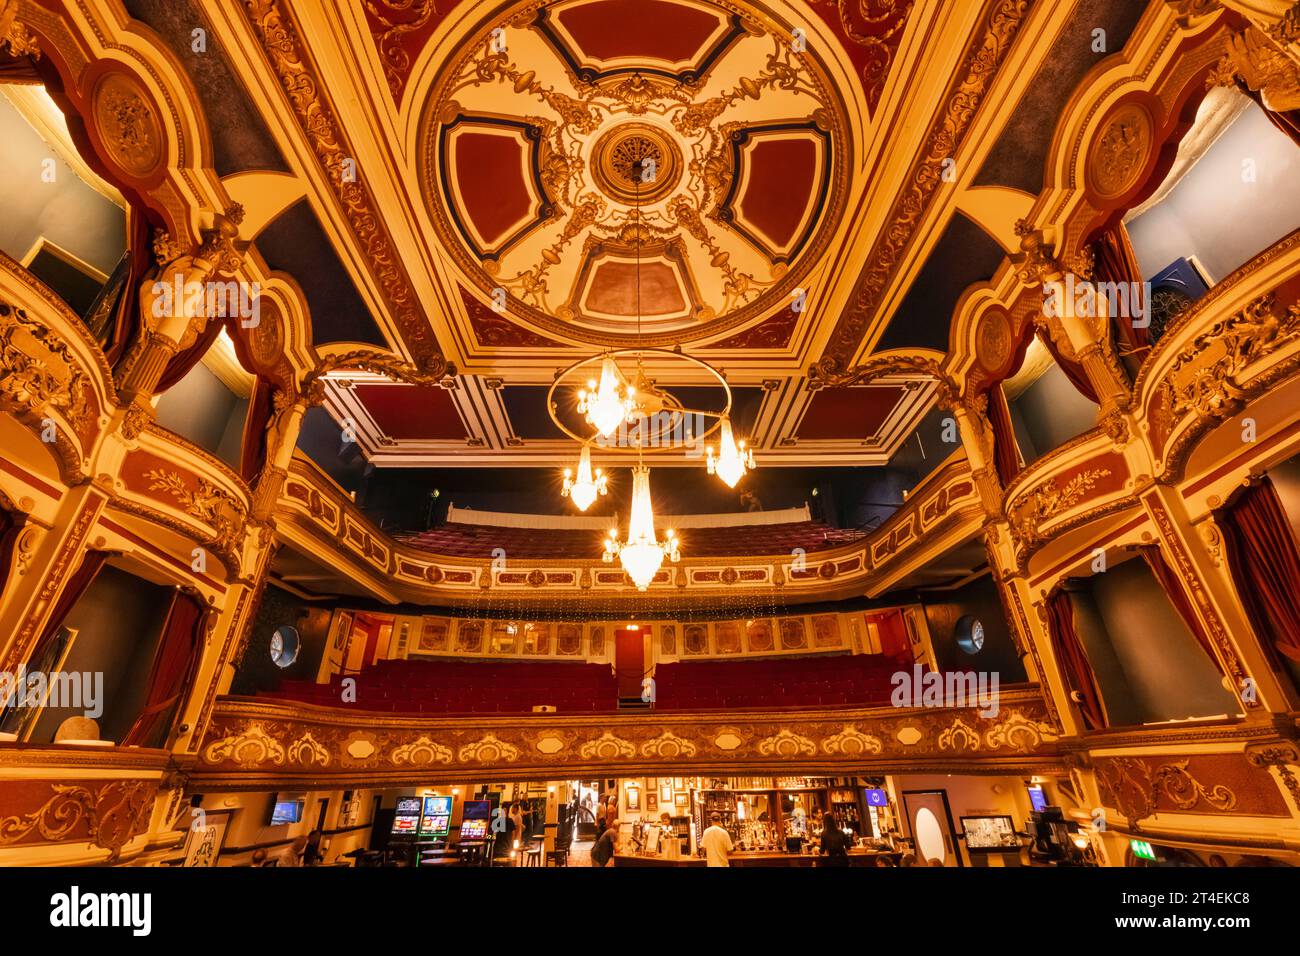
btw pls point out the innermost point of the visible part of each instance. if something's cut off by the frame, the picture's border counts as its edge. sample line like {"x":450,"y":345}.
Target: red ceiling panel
{"x":412,"y":412}
{"x":848,"y":413}
{"x":647,"y":29}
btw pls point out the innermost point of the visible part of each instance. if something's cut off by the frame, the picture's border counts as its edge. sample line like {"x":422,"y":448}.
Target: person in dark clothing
{"x":603,"y":850}
{"x":835,"y":843}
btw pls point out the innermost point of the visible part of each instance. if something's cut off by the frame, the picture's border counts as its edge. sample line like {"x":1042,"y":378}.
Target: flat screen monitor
{"x":990,"y":833}
{"x":474,"y":820}
{"x":876,"y":798}
{"x":406,"y":815}
{"x":435,"y":819}
{"x":286,"y":811}
{"x":1037,"y":799}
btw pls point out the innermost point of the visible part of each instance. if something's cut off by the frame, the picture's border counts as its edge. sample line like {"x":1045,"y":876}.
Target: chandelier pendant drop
{"x":733,"y":459}
{"x":609,"y":403}
{"x":583,"y":489}
{"x":642,"y":554}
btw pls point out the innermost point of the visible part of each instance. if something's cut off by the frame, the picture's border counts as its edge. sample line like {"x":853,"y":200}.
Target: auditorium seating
{"x":491,"y":687}
{"x":840,"y":680}
{"x":478,"y":541}
{"x":466,"y":687}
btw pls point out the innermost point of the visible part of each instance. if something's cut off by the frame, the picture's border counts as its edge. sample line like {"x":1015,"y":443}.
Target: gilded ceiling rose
{"x":571,"y":139}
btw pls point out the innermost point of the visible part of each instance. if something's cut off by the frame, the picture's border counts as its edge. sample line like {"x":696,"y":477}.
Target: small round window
{"x":970,"y":634}
{"x":285,"y":645}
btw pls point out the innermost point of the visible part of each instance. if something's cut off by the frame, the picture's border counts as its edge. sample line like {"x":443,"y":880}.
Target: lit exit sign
{"x":1143,"y":849}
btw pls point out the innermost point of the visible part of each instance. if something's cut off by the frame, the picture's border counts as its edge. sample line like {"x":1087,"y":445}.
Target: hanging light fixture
{"x":610,"y":402}
{"x":733,"y":459}
{"x":642,"y":554}
{"x":584,"y":488}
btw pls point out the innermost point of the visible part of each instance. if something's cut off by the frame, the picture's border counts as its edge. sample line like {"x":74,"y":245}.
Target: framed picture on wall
{"x":679,"y":783}
{"x":679,"y":801}
{"x":206,"y":837}
{"x":666,"y":793}
{"x":633,"y":799}
{"x":651,"y":800}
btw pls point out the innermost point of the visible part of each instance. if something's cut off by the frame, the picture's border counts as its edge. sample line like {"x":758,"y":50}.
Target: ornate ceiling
{"x":470,"y":180}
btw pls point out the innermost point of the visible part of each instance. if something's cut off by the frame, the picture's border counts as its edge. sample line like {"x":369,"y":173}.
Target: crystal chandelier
{"x":733,"y":459}
{"x":610,"y":402}
{"x":584,"y":488}
{"x":642,"y":554}
{"x":613,"y":399}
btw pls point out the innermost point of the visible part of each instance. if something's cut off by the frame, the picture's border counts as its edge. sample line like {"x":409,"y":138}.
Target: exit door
{"x":629,"y":661}
{"x":930,"y":821}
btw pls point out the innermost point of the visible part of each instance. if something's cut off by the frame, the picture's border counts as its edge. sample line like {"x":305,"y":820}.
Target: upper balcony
{"x":536,"y":560}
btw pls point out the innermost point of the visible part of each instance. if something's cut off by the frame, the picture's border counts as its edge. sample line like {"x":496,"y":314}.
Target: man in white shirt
{"x":716,"y":842}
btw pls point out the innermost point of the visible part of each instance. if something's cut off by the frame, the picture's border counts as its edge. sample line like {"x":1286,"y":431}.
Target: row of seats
{"x":479,"y":541}
{"x":840,"y":680}
{"x":472,"y":687}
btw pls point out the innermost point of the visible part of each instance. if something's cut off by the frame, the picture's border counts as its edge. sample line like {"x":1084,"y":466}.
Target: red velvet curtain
{"x":261,"y":406}
{"x":183,"y":362}
{"x":1173,"y":587}
{"x":174,"y":665}
{"x":1288,"y":121}
{"x":1265,"y":565}
{"x":125,"y":322}
{"x":10,"y":525}
{"x":1072,"y":660}
{"x":1072,"y":370}
{"x":1117,"y":262}
{"x":1006,"y":455}
{"x":73,"y":589}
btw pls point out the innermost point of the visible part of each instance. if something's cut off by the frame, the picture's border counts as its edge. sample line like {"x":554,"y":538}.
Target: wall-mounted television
{"x":1037,"y":799}
{"x":286,"y":811}
{"x":876,"y":798}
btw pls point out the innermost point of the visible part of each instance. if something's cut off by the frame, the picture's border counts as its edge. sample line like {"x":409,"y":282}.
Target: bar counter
{"x":857,"y":857}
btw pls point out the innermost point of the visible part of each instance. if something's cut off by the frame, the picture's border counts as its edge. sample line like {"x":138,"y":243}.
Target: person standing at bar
{"x":716,"y":842}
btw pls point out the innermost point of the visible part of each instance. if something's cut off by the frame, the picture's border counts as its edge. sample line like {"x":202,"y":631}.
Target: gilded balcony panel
{"x":173,"y":482}
{"x":53,"y":377}
{"x":253,"y":743}
{"x":77,"y":805}
{"x":1082,"y":480}
{"x":1235,"y":344}
{"x":320,"y":517}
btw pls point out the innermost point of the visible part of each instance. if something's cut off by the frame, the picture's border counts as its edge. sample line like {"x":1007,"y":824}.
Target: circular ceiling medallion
{"x":993,"y":340}
{"x":1118,"y":156}
{"x":636,"y":163}
{"x":553,"y":121}
{"x":127,"y":125}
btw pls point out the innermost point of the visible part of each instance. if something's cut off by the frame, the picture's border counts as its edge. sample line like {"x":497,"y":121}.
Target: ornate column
{"x":173,"y":307}
{"x":1081,"y":335}
{"x":56,"y":556}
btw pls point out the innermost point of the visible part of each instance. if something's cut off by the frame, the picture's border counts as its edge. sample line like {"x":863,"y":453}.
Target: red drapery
{"x":10,"y":525}
{"x":1287,"y":121}
{"x":183,"y":362}
{"x":73,"y":589}
{"x":1116,"y":262}
{"x":172,"y":671}
{"x":126,"y":311}
{"x":1072,"y":660}
{"x":261,"y":406}
{"x":1173,"y":588}
{"x":1006,"y":455}
{"x":1265,"y":565}
{"x":1072,"y":370}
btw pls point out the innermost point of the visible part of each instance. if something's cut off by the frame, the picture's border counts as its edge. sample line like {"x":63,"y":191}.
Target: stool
{"x":533,"y":855}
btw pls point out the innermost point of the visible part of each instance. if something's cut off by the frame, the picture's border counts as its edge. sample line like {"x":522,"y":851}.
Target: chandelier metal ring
{"x":563,"y":380}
